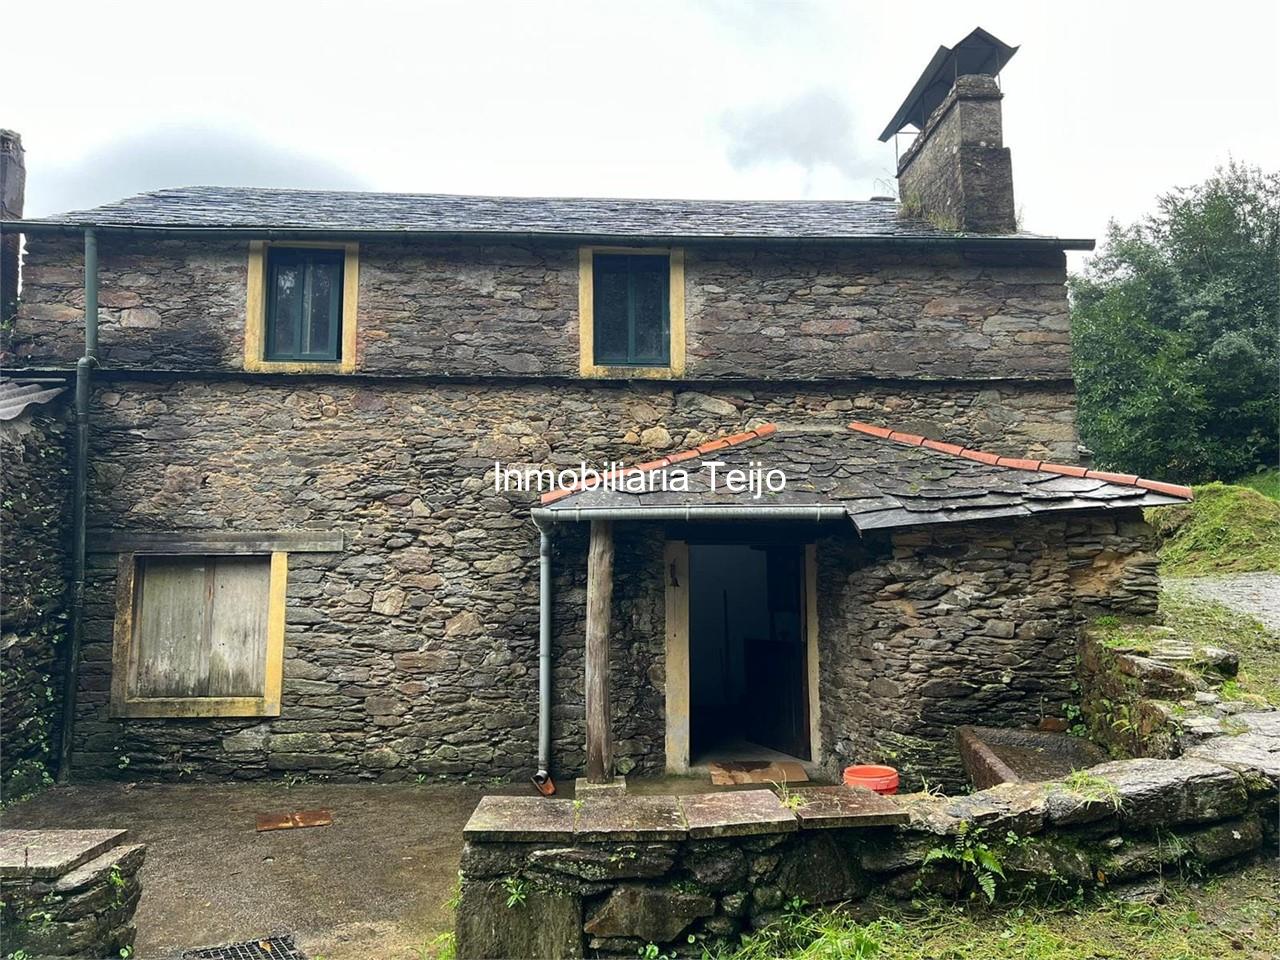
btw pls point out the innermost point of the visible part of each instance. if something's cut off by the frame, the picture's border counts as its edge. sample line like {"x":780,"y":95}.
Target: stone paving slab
{"x":630,"y":818}
{"x":826,"y":807}
{"x":520,"y":818}
{"x":51,"y":853}
{"x":736,"y":814}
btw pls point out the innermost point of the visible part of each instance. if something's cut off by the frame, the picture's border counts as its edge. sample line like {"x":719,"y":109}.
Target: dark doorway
{"x":748,"y":678}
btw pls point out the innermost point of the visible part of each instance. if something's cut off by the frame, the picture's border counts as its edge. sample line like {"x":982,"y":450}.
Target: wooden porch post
{"x":599,"y":606}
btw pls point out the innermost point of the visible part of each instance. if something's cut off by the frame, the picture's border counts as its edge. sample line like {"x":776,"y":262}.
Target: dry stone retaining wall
{"x":35,"y":528}
{"x":608,"y":876}
{"x":68,"y":893}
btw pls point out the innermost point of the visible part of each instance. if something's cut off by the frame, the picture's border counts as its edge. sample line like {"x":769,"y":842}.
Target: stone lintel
{"x":739,"y":813}
{"x":127,"y":859}
{"x":44,"y":854}
{"x":629,"y":818}
{"x":827,"y":807}
{"x":520,"y":819}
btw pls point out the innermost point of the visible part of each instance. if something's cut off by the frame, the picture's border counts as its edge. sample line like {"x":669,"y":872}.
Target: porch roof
{"x":879,"y":478}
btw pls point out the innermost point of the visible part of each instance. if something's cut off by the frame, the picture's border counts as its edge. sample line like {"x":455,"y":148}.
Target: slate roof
{"x":17,"y":395}
{"x":329,"y":211}
{"x":882,"y":479}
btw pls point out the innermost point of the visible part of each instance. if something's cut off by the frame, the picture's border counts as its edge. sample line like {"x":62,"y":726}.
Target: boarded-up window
{"x":199,"y":638}
{"x":201,"y":626}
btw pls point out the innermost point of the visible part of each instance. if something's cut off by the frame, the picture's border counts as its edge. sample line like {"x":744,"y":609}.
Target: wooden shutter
{"x":200,"y":627}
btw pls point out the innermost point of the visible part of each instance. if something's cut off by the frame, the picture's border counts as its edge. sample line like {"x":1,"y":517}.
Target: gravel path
{"x":1257,"y":594}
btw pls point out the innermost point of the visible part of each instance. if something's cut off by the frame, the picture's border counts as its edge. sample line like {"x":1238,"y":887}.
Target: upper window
{"x":199,"y":636}
{"x":301,"y":307}
{"x":304,"y":304}
{"x":631,"y":303}
{"x":632,"y":310}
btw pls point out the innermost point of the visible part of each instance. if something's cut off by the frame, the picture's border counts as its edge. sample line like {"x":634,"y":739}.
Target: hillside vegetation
{"x":1226,"y":529}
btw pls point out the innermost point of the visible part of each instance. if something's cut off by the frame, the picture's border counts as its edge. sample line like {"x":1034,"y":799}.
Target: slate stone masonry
{"x":35,"y":513}
{"x":609,"y":876}
{"x":511,"y":309}
{"x":68,"y":893}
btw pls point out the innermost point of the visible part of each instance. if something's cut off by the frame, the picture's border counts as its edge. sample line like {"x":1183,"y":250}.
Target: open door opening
{"x":748,"y":676}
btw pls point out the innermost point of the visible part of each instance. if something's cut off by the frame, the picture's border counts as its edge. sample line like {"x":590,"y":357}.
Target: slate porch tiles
{"x":736,"y":814}
{"x":521,"y":819}
{"x":846,"y":807}
{"x":630,"y":818}
{"x":51,"y":853}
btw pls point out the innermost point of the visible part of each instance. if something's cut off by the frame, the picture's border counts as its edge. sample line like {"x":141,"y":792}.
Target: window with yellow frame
{"x":631,"y":312}
{"x":301,"y":307}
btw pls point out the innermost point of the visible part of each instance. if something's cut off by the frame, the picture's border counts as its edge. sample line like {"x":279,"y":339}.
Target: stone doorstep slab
{"x":739,"y":813}
{"x":45,"y":854}
{"x":629,"y":818}
{"x":521,"y":819}
{"x":841,"y":806}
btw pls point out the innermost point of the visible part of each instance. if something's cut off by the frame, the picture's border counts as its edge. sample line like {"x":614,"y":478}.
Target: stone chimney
{"x":13,"y":185}
{"x":957,"y":173}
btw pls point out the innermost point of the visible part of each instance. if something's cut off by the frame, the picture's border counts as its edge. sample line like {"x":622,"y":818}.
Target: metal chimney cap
{"x":979,"y":52}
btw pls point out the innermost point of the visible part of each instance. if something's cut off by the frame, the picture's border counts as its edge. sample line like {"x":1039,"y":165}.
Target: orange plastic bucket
{"x":873,"y":777}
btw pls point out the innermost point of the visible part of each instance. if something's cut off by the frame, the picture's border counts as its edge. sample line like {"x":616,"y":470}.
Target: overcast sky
{"x":1106,"y":104}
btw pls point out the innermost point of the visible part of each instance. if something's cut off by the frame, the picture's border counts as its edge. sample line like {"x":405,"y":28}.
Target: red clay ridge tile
{"x":1017,"y":463}
{"x":553,"y":495}
{"x":981,"y":456}
{"x":882,"y":432}
{"x":738,"y":438}
{"x":711,"y":445}
{"x":1126,"y":478}
{"x":683,"y":455}
{"x":651,"y":465}
{"x":1064,"y":469}
{"x":952,"y":448}
{"x":912,"y":438}
{"x":1172,"y":489}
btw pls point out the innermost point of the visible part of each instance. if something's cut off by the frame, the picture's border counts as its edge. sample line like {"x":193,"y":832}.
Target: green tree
{"x":1174,"y":334}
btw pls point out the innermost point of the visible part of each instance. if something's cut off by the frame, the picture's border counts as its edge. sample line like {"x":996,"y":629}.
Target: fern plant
{"x":976,"y":864}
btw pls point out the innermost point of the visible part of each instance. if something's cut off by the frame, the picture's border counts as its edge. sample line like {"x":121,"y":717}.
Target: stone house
{"x":301,"y":407}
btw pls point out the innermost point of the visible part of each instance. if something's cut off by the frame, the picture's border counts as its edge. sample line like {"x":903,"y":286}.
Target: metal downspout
{"x":84,"y":371}
{"x":542,"y":778}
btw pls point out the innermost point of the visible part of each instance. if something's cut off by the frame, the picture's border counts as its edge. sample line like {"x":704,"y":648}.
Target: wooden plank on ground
{"x":293,"y":821}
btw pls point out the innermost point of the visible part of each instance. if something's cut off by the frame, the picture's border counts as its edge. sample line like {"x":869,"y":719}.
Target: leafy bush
{"x":1174,"y":334}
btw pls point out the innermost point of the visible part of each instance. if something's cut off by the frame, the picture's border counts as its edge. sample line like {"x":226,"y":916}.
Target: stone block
{"x":1160,"y":793}
{"x":716,"y":865}
{"x":41,"y":854}
{"x":1222,"y":841}
{"x":545,"y":924}
{"x":827,"y":807}
{"x":606,"y":861}
{"x":651,"y":914}
{"x":818,"y":869}
{"x":737,"y":813}
{"x":521,"y":818}
{"x":614,"y":819}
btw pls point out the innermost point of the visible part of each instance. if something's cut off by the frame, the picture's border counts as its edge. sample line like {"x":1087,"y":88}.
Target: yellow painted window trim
{"x":255,"y":323}
{"x":123,"y":656}
{"x":587,"y":366}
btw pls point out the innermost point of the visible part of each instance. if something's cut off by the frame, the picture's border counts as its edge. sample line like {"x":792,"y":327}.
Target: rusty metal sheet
{"x":293,"y":821}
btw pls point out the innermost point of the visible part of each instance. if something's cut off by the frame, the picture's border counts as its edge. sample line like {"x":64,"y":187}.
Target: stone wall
{"x":610,"y":875}
{"x":957,"y":173}
{"x":414,"y":650}
{"x":68,"y":893}
{"x":928,"y":629}
{"x":432,"y":308}
{"x":35,"y":511}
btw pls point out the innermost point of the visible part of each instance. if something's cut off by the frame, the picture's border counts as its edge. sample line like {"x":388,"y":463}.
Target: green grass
{"x":1266,"y":482}
{"x":1203,"y":623}
{"x":1226,"y":529}
{"x":1237,"y":915}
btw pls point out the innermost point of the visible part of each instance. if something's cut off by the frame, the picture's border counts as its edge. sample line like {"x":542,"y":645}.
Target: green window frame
{"x":631,"y":309}
{"x":304,"y":304}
